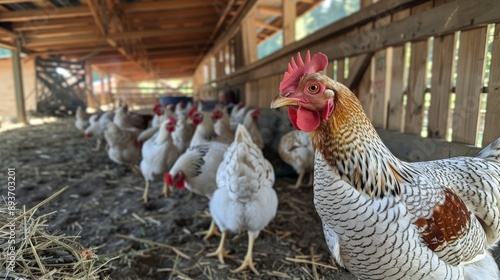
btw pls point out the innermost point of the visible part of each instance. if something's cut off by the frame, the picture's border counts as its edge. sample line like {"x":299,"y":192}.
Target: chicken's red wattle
{"x":304,"y":119}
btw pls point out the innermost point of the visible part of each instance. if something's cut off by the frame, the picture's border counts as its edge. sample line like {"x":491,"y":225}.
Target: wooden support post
{"x":103,"y":93}
{"x":442,"y":73}
{"x":289,"y":16}
{"x":396,"y":87}
{"x":18,"y":83}
{"x":249,"y":38}
{"x":109,"y":95}
{"x":470,"y":73}
{"x":492,"y":124}
{"x":382,"y":78}
{"x":416,"y":87}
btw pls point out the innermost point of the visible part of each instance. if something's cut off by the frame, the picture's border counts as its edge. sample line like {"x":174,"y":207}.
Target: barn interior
{"x":426,"y":72}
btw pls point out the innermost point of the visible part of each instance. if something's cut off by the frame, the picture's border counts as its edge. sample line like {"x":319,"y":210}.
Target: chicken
{"x":295,"y":148}
{"x":384,"y":218}
{"x":221,"y":124}
{"x":183,"y":133}
{"x":237,"y":115}
{"x":245,"y":199}
{"x":157,"y":115}
{"x":204,"y":132}
{"x":123,"y":146}
{"x":158,"y":155}
{"x":182,"y":109}
{"x":196,"y":171}
{"x":82,"y":119}
{"x":97,"y":126}
{"x":250,"y":123}
{"x":130,"y":120}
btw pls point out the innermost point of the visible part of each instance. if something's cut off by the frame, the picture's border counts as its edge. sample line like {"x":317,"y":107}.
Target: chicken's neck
{"x":350,"y":144}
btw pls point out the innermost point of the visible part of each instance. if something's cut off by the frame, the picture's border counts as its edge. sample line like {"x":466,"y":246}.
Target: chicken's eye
{"x":313,"y":88}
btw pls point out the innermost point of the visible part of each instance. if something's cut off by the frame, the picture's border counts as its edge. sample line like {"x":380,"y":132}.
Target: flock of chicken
{"x":214,"y":154}
{"x":382,"y":218}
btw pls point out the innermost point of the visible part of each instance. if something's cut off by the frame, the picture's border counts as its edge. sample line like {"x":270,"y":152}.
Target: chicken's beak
{"x":280,"y":101}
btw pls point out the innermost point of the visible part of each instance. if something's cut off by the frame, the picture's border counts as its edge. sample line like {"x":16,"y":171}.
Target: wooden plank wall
{"x":392,"y":88}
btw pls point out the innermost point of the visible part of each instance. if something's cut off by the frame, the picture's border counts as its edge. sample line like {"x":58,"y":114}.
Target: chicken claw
{"x":248,"y":261}
{"x":212,"y":231}
{"x":221,"y":253}
{"x":166,"y":190}
{"x":299,"y":181}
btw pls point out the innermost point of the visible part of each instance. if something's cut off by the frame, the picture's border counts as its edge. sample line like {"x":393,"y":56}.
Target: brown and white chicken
{"x":158,"y":155}
{"x":134,"y":122}
{"x":196,"y":171}
{"x":250,"y":123}
{"x":81,"y":119}
{"x":295,"y":148}
{"x":123,"y":146}
{"x":384,"y":218}
{"x":245,"y":199}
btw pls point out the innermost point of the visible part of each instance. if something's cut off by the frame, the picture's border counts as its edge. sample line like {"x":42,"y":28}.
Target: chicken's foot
{"x":146,"y":191}
{"x":221,"y":253}
{"x":299,"y":181}
{"x":98,"y":145}
{"x":212,"y":231}
{"x":166,"y":190}
{"x":248,"y":261}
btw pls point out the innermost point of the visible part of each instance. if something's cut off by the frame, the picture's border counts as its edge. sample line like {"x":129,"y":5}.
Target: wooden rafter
{"x":269,"y":10}
{"x":260,"y":23}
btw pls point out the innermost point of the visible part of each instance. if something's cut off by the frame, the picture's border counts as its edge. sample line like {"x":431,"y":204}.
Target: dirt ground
{"x":102,"y":206}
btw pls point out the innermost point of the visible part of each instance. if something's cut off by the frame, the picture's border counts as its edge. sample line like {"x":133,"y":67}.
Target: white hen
{"x":158,"y":155}
{"x":295,"y":148}
{"x":237,"y":115}
{"x":245,"y":198}
{"x":196,"y":171}
{"x":97,"y":126}
{"x":221,"y":124}
{"x":250,"y":123}
{"x":183,"y":133}
{"x":82,"y":119}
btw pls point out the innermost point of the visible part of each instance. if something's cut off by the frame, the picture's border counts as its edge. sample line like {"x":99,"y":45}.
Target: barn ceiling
{"x":136,"y":39}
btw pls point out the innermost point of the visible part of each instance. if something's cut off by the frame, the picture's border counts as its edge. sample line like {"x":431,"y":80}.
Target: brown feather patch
{"x":448,"y":223}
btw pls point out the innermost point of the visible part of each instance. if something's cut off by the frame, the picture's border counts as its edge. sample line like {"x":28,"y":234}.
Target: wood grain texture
{"x":396,"y":88}
{"x":492,"y":120}
{"x":441,"y":83}
{"x":470,"y":74}
{"x":416,"y":87}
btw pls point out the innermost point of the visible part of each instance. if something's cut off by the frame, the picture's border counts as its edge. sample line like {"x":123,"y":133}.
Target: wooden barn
{"x":193,"y":99}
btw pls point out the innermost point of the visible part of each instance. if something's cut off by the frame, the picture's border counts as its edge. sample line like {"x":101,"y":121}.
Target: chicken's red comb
{"x":192,"y":111}
{"x":300,"y":68}
{"x":172,"y":119}
{"x":167,"y":178}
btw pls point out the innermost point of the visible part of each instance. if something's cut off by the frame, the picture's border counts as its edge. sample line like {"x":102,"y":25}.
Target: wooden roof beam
{"x":269,"y":10}
{"x":30,"y":15}
{"x":260,"y":23}
{"x":52,"y":23}
{"x":97,"y":15}
{"x":162,"y":5}
{"x":74,"y":51}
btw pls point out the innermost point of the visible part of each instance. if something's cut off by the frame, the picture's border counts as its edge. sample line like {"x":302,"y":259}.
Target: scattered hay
{"x":29,"y":251}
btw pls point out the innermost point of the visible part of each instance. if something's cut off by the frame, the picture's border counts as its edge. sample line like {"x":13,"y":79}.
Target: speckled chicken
{"x":384,"y":218}
{"x":295,"y":148}
{"x":245,"y":199}
{"x":158,"y":155}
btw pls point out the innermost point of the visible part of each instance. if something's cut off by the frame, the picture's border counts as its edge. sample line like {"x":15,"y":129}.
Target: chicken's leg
{"x":166,"y":189}
{"x":98,"y":145}
{"x":221,"y":253}
{"x":212,"y":231}
{"x":299,"y":180}
{"x":311,"y":176}
{"x":248,"y":261}
{"x":135,"y":169}
{"x":146,"y":191}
